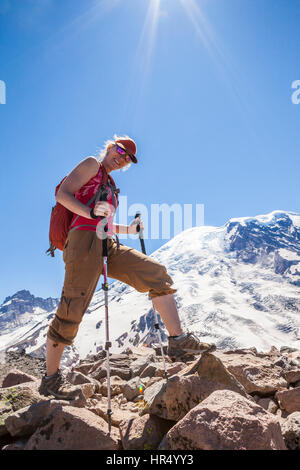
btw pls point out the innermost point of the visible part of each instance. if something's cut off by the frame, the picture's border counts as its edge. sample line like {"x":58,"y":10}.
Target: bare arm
{"x":79,"y":176}
{"x":129,"y":229}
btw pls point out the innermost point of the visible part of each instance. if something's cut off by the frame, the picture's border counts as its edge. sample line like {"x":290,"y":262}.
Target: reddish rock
{"x":16,"y":377}
{"x":292,"y":376}
{"x":289,"y":400}
{"x":172,"y":369}
{"x":268,"y":404}
{"x":143,"y":433}
{"x":118,"y":414}
{"x":173,"y":399}
{"x":73,"y":429}
{"x":226,"y":421}
{"x":26,"y":420}
{"x":256,"y":374}
{"x":291,"y":431}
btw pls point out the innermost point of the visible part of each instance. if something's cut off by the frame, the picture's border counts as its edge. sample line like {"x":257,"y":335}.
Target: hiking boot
{"x":57,"y":386}
{"x":188,"y":345}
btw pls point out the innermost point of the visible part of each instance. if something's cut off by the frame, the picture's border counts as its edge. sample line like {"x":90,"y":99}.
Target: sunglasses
{"x":124,"y":154}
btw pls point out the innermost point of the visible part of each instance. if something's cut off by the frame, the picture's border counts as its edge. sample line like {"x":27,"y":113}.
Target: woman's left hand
{"x":132,"y":228}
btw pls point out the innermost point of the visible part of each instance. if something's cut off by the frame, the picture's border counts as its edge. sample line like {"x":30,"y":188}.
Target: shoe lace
{"x":192,"y":335}
{"x":60,"y":378}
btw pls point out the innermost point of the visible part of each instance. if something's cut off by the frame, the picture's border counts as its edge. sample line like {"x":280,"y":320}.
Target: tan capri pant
{"x":83,"y":266}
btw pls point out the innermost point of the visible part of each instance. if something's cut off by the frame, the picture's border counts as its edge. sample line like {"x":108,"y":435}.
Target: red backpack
{"x":61,"y":217}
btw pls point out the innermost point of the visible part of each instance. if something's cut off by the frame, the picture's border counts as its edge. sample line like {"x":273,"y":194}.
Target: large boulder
{"x":214,"y":375}
{"x":225,"y":421}
{"x":171,"y":400}
{"x":257,"y":374}
{"x":73,"y":428}
{"x":25,"y":421}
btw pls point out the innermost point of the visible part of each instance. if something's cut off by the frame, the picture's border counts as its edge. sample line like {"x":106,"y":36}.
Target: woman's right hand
{"x":103,"y":209}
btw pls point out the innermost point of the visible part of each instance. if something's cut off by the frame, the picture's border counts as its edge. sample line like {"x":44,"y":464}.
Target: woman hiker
{"x":84,"y":263}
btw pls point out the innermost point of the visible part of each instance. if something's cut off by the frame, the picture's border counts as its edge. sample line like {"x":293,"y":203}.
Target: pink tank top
{"x":85,"y":193}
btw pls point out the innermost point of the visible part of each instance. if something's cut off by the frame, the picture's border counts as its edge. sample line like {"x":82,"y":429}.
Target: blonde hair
{"x":107,"y":144}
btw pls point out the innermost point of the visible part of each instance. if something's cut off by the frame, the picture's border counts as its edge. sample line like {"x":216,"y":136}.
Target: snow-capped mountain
{"x":22,"y":309}
{"x":237,"y":286}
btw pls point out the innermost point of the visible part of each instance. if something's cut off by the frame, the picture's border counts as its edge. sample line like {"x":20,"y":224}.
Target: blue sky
{"x":203,"y":86}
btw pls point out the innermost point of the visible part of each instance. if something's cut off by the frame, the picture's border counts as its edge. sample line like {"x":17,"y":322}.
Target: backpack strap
{"x":97,"y":195}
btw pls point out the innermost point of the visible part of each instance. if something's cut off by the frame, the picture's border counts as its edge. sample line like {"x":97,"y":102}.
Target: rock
{"x":292,"y":376}
{"x":268,"y":404}
{"x":131,"y":388}
{"x":119,"y":366}
{"x":149,"y":370}
{"x":173,"y":399}
{"x":294,"y":358}
{"x":252,"y":351}
{"x":291,"y":431}
{"x":18,"y":445}
{"x":287,"y":349}
{"x":143,"y":433}
{"x":172,"y":369}
{"x":214,"y":375}
{"x":25,"y":421}
{"x":88,"y":390}
{"x":256,"y":374}
{"x":116,"y":386}
{"x":140,"y":351}
{"x":226,"y":421}
{"x":289,"y":400}
{"x":14,"y":398}
{"x":151,"y":381}
{"x":140,"y":364}
{"x":274,"y":352}
{"x":16,"y":377}
{"x":118,"y":415}
{"x":84,"y":368}
{"x":78,"y":378}
{"x":157,"y":350}
{"x":72,"y":428}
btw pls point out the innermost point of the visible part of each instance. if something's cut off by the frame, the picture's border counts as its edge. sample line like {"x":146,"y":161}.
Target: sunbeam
{"x":231,"y":76}
{"x":148,"y":36}
{"x":142,"y":61}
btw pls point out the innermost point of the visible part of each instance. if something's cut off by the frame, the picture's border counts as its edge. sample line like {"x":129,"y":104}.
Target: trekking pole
{"x":105,"y":289}
{"x":156,"y":324}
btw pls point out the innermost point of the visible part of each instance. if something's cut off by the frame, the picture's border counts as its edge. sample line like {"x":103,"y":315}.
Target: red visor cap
{"x":129,"y":146}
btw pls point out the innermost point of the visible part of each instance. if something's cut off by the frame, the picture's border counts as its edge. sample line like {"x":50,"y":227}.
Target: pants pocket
{"x":78,"y":246}
{"x":69,"y":313}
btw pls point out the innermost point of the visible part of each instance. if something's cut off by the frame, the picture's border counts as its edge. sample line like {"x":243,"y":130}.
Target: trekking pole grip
{"x":140,"y":232}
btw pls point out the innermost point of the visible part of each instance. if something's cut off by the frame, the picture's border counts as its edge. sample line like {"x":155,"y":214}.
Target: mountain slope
{"x":237,"y":285}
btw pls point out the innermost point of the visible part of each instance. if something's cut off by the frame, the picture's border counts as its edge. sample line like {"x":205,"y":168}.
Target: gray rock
{"x":291,"y":431}
{"x":25,"y":421}
{"x":131,"y":388}
{"x":140,"y":364}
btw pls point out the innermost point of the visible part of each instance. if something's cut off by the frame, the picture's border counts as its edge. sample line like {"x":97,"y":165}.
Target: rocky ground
{"x":23,"y":362}
{"x":240,"y":399}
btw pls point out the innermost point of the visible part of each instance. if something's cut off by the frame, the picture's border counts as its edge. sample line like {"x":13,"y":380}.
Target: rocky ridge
{"x":238,"y":399}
